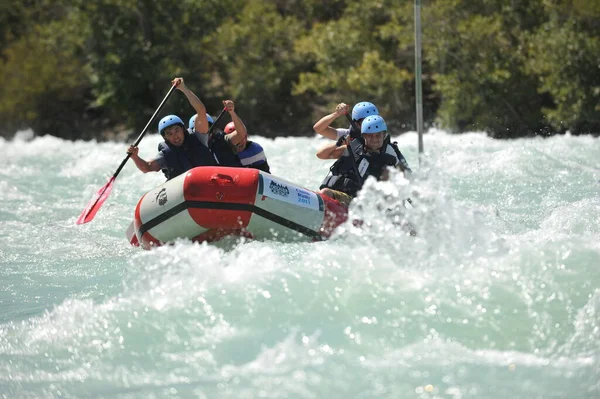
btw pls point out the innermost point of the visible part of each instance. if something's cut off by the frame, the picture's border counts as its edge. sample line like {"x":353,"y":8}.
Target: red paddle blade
{"x":92,"y":208}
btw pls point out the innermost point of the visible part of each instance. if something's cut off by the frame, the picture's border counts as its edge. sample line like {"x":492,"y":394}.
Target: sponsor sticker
{"x":286,"y":192}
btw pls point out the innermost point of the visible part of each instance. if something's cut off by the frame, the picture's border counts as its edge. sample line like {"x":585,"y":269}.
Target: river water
{"x":498,"y":296}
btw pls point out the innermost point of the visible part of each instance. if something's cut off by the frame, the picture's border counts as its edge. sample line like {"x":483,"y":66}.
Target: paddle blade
{"x":92,"y":208}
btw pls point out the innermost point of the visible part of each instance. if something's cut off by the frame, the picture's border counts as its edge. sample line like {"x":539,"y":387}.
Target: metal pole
{"x":418,"y":85}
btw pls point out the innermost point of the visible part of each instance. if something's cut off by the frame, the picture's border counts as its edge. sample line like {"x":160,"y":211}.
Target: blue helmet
{"x":167,"y":121}
{"x":364,"y":109}
{"x":373,"y":124}
{"x":193,"y":120}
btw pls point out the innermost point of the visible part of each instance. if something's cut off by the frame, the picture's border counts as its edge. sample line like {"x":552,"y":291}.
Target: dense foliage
{"x":81,"y":68}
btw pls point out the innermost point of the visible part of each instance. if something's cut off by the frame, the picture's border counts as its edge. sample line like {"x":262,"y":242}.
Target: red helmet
{"x":229,"y":128}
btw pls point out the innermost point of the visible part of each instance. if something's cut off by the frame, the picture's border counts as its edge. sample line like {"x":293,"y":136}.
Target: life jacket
{"x":253,"y":156}
{"x":190,"y":154}
{"x":222,"y":150}
{"x":349,"y":172}
{"x":354,"y":134}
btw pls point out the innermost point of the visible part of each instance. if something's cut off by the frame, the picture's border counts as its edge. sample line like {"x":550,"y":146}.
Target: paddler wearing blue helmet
{"x":360,"y":111}
{"x":369,"y":155}
{"x":181,"y":150}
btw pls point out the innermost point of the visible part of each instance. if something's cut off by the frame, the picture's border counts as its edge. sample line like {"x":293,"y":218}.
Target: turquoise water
{"x":497,"y":297}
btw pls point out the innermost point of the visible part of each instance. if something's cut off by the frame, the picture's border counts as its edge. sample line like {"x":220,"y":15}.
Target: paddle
{"x":211,"y":128}
{"x":355,"y":125}
{"x":98,"y":199}
{"x":358,"y":176}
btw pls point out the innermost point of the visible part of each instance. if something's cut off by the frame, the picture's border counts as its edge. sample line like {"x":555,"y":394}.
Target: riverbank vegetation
{"x":84,"y":69}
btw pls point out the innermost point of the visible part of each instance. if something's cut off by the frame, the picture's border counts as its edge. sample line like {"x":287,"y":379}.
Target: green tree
{"x":479,"y":73}
{"x":137,"y":47}
{"x":255,"y":65}
{"x":75,"y":68}
{"x":362,"y":56}
{"x":564,"y":55}
{"x":43,"y":80}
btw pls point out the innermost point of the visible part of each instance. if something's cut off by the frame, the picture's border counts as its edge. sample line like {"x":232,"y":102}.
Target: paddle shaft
{"x":355,"y":125}
{"x":211,"y":128}
{"x":90,"y":211}
{"x":145,"y":129}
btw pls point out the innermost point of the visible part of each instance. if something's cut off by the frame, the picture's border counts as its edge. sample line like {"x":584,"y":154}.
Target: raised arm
{"x":201,"y":123}
{"x":240,"y":129}
{"x":322,"y":126}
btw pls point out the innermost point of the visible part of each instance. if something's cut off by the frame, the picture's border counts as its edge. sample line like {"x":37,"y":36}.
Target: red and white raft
{"x":208,"y":203}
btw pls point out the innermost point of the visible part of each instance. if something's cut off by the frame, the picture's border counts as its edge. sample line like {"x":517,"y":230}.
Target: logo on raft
{"x":279,"y":189}
{"x":161,"y":197}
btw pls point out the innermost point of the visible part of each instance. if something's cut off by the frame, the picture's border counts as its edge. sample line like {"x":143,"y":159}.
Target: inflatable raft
{"x":211,"y":202}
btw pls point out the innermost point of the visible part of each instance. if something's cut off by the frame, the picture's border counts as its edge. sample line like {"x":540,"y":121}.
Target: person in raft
{"x":343,"y":136}
{"x":181,"y":150}
{"x":231,"y":147}
{"x":368,"y":155}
